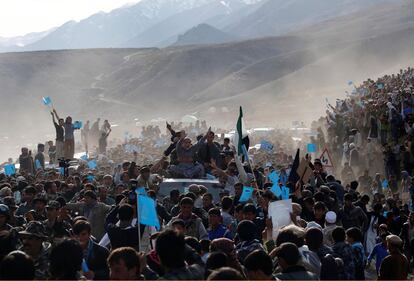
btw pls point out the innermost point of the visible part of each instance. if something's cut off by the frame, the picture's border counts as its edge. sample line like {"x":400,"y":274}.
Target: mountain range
{"x":159,"y":23}
{"x":277,"y":76}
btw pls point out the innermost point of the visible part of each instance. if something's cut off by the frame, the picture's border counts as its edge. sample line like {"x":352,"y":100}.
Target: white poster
{"x":279,"y":212}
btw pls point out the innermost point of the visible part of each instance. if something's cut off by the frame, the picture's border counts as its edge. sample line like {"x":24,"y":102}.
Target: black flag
{"x":293,"y":176}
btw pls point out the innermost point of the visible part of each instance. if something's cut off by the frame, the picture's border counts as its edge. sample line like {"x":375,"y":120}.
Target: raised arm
{"x":178,"y":147}
{"x":53,"y":118}
{"x":201,"y":141}
{"x":57,"y":116}
{"x":169,"y":128}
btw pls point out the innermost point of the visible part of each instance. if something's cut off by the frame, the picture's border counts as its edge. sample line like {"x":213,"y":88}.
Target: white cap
{"x":330,"y":217}
{"x":313,"y":224}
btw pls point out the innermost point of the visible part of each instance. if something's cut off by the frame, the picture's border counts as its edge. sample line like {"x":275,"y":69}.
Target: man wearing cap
{"x":330,"y":225}
{"x":94,"y":211}
{"x":33,"y":244}
{"x":395,"y":266}
{"x":289,"y":257}
{"x":55,"y":227}
{"x":147,"y":180}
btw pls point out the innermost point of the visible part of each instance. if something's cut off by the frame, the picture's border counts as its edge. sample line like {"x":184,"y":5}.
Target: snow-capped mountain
{"x":103,"y":30}
{"x":212,"y":12}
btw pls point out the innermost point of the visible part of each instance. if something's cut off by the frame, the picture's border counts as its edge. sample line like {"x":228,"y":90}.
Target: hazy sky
{"x":18,"y":17}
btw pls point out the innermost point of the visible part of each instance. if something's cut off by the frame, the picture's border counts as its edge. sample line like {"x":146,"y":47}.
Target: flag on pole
{"x":47,"y":101}
{"x":147,"y":211}
{"x":247,"y":194}
{"x":241,"y":137}
{"x":294,"y":177}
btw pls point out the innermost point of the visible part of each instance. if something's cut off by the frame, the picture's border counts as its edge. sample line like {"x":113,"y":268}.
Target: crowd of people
{"x":83,"y":223}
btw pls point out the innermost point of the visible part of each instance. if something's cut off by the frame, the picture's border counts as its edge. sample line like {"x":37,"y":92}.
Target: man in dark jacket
{"x":170,"y":248}
{"x":353,"y":216}
{"x":289,"y":256}
{"x":94,"y":255}
{"x":208,"y":151}
{"x":124,"y":234}
{"x":395,"y":265}
{"x":26,"y":161}
{"x":344,"y":251}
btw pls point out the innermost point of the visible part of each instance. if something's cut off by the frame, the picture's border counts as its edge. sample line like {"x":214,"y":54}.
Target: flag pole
{"x":138,"y":222}
{"x":250,"y":165}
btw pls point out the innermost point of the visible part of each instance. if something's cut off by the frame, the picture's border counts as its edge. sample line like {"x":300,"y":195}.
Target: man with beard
{"x":33,"y":244}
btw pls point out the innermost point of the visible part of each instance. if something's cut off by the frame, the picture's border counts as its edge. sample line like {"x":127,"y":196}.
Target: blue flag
{"x":92,"y":164}
{"x":148,"y":212}
{"x":274,"y":177}
{"x":84,"y":157}
{"x":285,"y":193}
{"x":47,"y":101}
{"x":276,"y":190}
{"x":311,"y":148}
{"x":10,"y":170}
{"x":140,"y":191}
{"x":77,"y":125}
{"x":247,"y":194}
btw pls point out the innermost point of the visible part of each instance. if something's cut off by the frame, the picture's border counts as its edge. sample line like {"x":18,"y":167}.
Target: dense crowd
{"x":79,"y":220}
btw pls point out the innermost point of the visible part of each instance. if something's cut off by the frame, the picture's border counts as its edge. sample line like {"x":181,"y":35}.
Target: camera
{"x":65,"y":164}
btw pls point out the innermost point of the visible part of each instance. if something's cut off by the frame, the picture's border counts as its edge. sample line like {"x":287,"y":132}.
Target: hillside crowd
{"x":79,"y":220}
